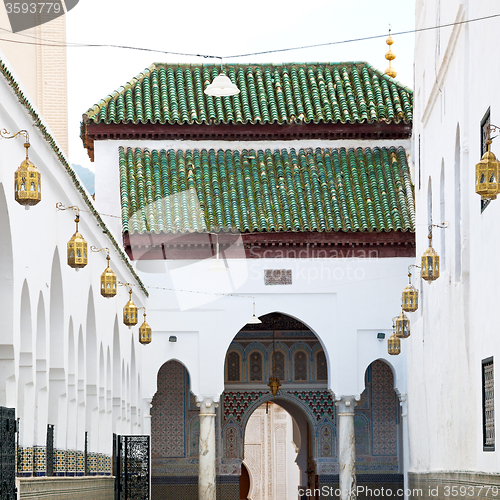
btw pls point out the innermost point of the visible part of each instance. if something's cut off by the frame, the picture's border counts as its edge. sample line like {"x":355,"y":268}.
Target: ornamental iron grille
{"x":7,"y":454}
{"x":50,"y":450}
{"x":131,"y":467}
{"x":488,"y":405}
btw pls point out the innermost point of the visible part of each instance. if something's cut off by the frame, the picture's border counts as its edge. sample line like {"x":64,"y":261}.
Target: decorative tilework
{"x":277,"y":276}
{"x":320,"y":403}
{"x":168,"y":412}
{"x":59,"y":462}
{"x":80,"y":463}
{"x":326,"y":440}
{"x":383,"y":410}
{"x":236,"y":403}
{"x":361,"y":434}
{"x":92,"y":463}
{"x":194,"y":436}
{"x":71,"y":462}
{"x":231,"y":441}
{"x":39,"y":461}
{"x":25,"y":462}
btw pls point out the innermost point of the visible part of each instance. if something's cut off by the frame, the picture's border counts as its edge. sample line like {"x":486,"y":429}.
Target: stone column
{"x":347,"y":450}
{"x":206,"y":475}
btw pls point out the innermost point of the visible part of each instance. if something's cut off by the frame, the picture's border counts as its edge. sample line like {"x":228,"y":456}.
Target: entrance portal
{"x":270,"y":454}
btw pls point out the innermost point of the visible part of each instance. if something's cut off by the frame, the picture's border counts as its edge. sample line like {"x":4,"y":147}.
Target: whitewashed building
{"x":70,"y":371}
{"x":300,"y":189}
{"x":454,"y":343}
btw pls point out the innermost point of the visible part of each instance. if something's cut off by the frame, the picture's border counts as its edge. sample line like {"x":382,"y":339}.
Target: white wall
{"x":456,"y":80}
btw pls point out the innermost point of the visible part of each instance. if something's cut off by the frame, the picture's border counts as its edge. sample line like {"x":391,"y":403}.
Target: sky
{"x":222,"y":28}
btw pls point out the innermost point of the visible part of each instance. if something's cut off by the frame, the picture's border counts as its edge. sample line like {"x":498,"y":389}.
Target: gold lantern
{"x":410,"y":296}
{"x":402,"y":326}
{"x":145,"y":332}
{"x":274,"y":385}
{"x":108,"y":277}
{"x":487,"y":175}
{"x":27,"y":179}
{"x":430,"y":261}
{"x":393,"y":345}
{"x":130,"y":317}
{"x":77,"y":249}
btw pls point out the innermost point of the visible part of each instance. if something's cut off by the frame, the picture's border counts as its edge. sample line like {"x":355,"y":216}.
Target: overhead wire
{"x":233,"y":56}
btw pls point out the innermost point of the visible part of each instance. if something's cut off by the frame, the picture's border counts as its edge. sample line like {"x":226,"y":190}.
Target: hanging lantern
{"x":402,"y":326}
{"x":487,"y":175}
{"x":77,"y":249}
{"x":130,"y":317}
{"x":108,"y":281}
{"x":145,"y":332}
{"x":27,"y":179}
{"x":430,"y":262}
{"x":393,"y":345}
{"x":274,"y":385}
{"x":410,"y":297}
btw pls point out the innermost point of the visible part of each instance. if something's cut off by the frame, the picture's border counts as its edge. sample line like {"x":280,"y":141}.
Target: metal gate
{"x":7,"y":454}
{"x":131,"y":467}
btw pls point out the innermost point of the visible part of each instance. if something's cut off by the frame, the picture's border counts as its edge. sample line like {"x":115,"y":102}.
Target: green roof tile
{"x":299,"y":190}
{"x":350,"y":92}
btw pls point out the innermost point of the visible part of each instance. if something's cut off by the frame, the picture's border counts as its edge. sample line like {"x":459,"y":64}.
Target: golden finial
{"x":390,"y":56}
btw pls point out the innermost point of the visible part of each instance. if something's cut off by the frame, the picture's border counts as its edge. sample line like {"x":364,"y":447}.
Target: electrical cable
{"x":233,"y":56}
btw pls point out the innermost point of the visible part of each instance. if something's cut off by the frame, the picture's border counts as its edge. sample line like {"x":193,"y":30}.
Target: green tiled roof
{"x":299,"y":190}
{"x":350,"y":92}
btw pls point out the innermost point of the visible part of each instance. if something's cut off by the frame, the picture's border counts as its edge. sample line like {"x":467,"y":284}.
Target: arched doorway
{"x":174,"y":435}
{"x":301,"y":365}
{"x":271,"y":446}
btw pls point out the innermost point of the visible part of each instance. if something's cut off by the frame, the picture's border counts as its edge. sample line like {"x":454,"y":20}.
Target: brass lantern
{"x":108,"y":281}
{"x":410,"y":297}
{"x":130,"y":317}
{"x":274,"y":385}
{"x":77,"y":249}
{"x":27,"y":179}
{"x":27,"y":182}
{"x":487,"y":175}
{"x":430,"y":262}
{"x":393,"y":345}
{"x":402,"y":326}
{"x":145,"y":332}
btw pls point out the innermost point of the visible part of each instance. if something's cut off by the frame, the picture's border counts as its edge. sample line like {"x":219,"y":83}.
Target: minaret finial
{"x":390,"y":56}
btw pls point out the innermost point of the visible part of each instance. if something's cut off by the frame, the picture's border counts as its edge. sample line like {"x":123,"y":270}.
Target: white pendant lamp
{"x":254,"y":320}
{"x":222,"y":86}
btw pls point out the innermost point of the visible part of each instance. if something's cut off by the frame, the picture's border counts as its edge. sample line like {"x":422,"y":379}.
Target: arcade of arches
{"x":315,"y":428}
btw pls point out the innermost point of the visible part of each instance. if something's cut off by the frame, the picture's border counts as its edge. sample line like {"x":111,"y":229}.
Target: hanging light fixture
{"x":409,"y":301}
{"x":402,"y":326}
{"x":77,"y":246}
{"x":488,"y":171}
{"x":430,"y":259}
{"x":144,"y":331}
{"x":254,"y":320}
{"x":222,"y":86}
{"x":217,"y":264}
{"x":27,"y":179}
{"x":130,"y":316}
{"x":393,"y":343}
{"x":430,"y":262}
{"x":108,"y":277}
{"x":274,"y":381}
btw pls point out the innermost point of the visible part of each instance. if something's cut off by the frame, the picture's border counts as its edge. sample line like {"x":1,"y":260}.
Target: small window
{"x":279,"y":364}
{"x":321,"y":367}
{"x":488,"y":405}
{"x":255,"y":361}
{"x":300,"y":366}
{"x":233,"y":367}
